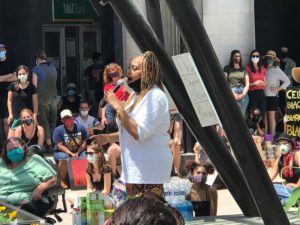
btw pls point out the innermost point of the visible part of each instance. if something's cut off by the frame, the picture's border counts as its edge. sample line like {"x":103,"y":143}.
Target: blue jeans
{"x":283,"y":192}
{"x":244,"y":102}
{"x":62,"y":155}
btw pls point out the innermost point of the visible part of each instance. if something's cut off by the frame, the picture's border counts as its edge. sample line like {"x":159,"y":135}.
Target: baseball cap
{"x":65,"y":112}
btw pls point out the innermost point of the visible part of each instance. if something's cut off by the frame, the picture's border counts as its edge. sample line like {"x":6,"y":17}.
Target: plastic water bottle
{"x":186,"y":210}
{"x":76,"y":212}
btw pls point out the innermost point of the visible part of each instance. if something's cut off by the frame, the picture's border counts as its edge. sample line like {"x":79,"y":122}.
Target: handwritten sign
{"x":293,"y":111}
{"x":76,"y":171}
{"x":196,"y":90}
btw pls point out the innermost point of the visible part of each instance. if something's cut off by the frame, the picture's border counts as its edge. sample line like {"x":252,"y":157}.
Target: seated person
{"x":69,"y":139}
{"x":25,"y":177}
{"x":98,"y":173}
{"x":84,"y":119}
{"x":286,"y":165}
{"x":144,"y":210}
{"x":203,"y":197}
{"x":255,"y":123}
{"x":29,"y":131}
{"x":71,"y":101}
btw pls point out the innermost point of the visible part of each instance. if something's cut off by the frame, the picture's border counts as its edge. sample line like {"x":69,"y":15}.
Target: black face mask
{"x":27,"y":121}
{"x":136,"y":85}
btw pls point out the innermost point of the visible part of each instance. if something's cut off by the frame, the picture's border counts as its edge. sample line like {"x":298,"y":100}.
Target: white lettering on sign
{"x":73,"y":8}
{"x":196,"y":90}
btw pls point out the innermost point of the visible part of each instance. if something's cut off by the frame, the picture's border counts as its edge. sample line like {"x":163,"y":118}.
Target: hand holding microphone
{"x":120,"y":82}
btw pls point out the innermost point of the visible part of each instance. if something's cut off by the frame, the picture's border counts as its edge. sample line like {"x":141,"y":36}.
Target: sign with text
{"x":196,"y":90}
{"x":76,"y":171}
{"x":293,"y":111}
{"x":72,"y":10}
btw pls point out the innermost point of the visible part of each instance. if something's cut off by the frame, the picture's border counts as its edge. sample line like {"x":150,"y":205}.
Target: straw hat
{"x":296,"y":74}
{"x":272,"y":54}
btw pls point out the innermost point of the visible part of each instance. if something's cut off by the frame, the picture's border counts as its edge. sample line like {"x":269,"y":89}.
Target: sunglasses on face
{"x":91,"y":153}
{"x":255,"y":56}
{"x":113,"y":74}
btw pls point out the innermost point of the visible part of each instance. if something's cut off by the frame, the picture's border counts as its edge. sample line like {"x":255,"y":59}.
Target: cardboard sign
{"x":196,"y":90}
{"x":293,"y":111}
{"x":76,"y":170}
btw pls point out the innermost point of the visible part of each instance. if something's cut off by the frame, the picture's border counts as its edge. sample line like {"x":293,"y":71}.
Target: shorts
{"x":3,"y":107}
{"x":272,"y":103}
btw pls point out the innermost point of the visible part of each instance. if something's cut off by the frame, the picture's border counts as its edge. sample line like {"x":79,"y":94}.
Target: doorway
{"x":69,"y":48}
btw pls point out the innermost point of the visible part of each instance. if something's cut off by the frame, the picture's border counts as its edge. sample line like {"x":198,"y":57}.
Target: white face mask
{"x":91,"y":158}
{"x":284,"y":148}
{"x":84,"y":112}
{"x":255,"y":60}
{"x":22,"y":78}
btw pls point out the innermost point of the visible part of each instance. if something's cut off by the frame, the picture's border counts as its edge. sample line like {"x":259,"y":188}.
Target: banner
{"x":76,"y":171}
{"x":293,"y":111}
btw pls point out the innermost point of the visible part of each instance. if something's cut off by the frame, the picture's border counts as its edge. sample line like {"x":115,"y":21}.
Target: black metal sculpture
{"x":146,"y":39}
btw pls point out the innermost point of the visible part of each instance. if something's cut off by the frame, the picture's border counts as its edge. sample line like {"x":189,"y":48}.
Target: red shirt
{"x":256,"y":76}
{"x":122,"y":94}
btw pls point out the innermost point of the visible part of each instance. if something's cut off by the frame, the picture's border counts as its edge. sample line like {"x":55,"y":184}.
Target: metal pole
{"x":236,"y":129}
{"x":146,"y":39}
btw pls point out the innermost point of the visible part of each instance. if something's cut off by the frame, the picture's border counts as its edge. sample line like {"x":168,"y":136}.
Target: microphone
{"x":120,"y":83}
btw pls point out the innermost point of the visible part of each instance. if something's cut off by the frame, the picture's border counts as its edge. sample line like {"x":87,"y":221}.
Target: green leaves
{"x":292,"y":200}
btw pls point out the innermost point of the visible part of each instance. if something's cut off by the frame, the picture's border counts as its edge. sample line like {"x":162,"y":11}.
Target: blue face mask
{"x":2,"y":55}
{"x":15,"y":154}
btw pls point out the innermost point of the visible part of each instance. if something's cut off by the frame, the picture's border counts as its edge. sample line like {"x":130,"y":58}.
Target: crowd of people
{"x":133,"y":124}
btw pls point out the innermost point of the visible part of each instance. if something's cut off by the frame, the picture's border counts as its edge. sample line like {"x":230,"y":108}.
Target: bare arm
{"x":274,"y":170}
{"x":34,"y":79}
{"x":107,"y":183}
{"x":213,"y":201}
{"x":61,"y":147}
{"x":18,"y":131}
{"x":246,"y":88}
{"x":103,"y":139}
{"x":39,"y":190}
{"x":41,"y":135}
{"x":9,"y":106}
{"x":5,"y":78}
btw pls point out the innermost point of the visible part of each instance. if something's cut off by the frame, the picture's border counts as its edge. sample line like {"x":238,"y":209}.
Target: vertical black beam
{"x":242,"y":144}
{"x":146,"y":39}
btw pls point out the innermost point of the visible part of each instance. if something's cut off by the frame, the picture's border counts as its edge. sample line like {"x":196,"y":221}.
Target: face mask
{"x":91,"y":158}
{"x":28,"y":121}
{"x":270,"y":61}
{"x":15,"y":154}
{"x":68,"y":122}
{"x":71,"y":92}
{"x":22,"y":78}
{"x":2,"y":55}
{"x":84,"y":112}
{"x":199,"y":179}
{"x":284,"y":149}
{"x":255,"y":60}
{"x":136,"y":85}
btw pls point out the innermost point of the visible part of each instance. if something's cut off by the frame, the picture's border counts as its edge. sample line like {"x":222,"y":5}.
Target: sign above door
{"x":72,"y":11}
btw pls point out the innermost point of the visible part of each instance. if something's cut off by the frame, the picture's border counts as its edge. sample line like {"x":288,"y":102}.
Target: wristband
{"x":119,"y":111}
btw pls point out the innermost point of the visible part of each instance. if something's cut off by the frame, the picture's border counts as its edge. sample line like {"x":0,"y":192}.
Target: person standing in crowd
{"x":69,"y":139}
{"x":7,"y":75}
{"x":21,"y":94}
{"x":287,"y":165}
{"x":143,"y":129}
{"x":29,"y":131}
{"x":257,"y":83}
{"x":238,"y":80}
{"x":175,"y":131}
{"x":274,"y":77}
{"x":286,"y":65}
{"x":94,"y":80}
{"x":203,"y":197}
{"x":44,"y":76}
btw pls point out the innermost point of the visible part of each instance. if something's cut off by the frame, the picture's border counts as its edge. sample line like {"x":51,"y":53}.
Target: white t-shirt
{"x":90,"y":122}
{"x":273,"y":77}
{"x":148,"y":160}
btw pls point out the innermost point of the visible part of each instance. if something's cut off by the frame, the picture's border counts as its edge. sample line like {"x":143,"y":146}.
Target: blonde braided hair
{"x":151,"y":75}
